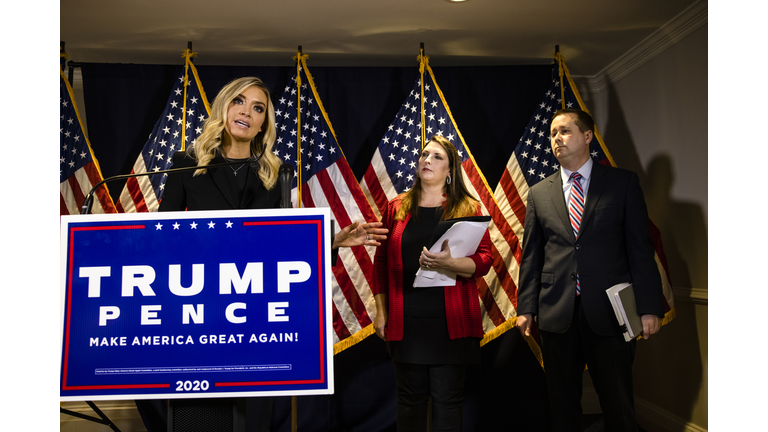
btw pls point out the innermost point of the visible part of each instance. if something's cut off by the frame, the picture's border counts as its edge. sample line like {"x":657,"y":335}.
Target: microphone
{"x":286,"y":177}
{"x":88,"y":201}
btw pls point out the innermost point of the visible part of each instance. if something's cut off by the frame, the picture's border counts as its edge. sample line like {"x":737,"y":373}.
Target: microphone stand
{"x":88,"y":201}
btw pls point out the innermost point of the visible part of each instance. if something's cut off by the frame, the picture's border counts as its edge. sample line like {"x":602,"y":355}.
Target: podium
{"x":196,"y":307}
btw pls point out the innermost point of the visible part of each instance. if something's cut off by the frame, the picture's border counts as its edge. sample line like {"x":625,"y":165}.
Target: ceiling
{"x":591,"y":33}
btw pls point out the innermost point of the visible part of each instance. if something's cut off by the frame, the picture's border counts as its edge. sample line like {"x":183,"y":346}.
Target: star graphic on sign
{"x":211,"y":224}
{"x":159,"y":226}
{"x":176,"y":226}
{"x":229,"y":224}
{"x":193,"y":225}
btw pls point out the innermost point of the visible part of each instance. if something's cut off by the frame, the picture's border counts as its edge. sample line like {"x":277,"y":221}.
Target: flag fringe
{"x":188,"y":54}
{"x":319,"y":102}
{"x":669,"y":316}
{"x":508,"y":324}
{"x":564,"y":70}
{"x":107,"y":196}
{"x":353,"y":340}
{"x":301,"y":60}
{"x":460,"y":136}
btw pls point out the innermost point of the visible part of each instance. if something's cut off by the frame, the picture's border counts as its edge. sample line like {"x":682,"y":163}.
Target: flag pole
{"x":559,"y":60}
{"x":423,"y":62}
{"x":187,"y":55}
{"x":299,"y":56}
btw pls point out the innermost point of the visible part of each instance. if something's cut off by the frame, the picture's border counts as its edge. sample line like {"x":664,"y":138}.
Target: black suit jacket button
{"x":573,"y":275}
{"x":578,"y":246}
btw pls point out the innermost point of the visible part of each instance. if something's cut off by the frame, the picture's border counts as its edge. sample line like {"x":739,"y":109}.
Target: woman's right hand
{"x":380,"y":324}
{"x":380,"y":321}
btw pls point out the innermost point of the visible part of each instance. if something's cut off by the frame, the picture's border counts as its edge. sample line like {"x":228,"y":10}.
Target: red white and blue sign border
{"x":70,"y":390}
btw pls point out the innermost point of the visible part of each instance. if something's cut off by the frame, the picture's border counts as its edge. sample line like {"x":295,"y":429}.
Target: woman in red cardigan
{"x":433,"y":333}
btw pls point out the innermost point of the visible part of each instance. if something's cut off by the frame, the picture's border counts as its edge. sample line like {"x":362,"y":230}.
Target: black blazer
{"x":213,"y":190}
{"x":613,"y":246}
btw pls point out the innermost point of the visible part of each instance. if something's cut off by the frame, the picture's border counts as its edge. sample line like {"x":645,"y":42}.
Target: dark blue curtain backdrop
{"x":491,"y":106}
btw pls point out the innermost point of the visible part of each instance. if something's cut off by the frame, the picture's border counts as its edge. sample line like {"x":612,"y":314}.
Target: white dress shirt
{"x":586,"y":174}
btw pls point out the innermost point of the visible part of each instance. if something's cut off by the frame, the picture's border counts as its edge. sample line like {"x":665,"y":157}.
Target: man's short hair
{"x":583,"y":119}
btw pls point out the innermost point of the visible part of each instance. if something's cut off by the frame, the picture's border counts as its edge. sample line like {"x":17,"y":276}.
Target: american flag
{"x":179,"y":125}
{"x":532,"y":160}
{"x":79,"y":171}
{"x":393,"y":171}
{"x":326,"y":180}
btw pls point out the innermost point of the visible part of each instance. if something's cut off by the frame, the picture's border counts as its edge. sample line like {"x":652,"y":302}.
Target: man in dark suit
{"x":586,"y":229}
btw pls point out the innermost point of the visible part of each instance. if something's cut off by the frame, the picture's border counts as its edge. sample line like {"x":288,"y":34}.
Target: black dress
{"x":223,"y":188}
{"x":425,"y":329}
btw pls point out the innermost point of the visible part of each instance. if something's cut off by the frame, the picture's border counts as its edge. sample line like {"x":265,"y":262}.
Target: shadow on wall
{"x":682,"y":225}
{"x":669,"y":368}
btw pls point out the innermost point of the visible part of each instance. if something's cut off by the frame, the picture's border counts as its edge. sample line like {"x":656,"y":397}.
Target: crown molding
{"x":686,"y":22}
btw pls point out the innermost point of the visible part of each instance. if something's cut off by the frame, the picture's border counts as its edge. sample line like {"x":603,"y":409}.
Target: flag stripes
{"x":79,"y":170}
{"x":305,"y":139}
{"x":393,"y":170}
{"x":178,"y":126}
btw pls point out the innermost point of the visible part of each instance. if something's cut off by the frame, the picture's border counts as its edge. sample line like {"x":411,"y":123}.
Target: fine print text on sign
{"x":196,"y":304}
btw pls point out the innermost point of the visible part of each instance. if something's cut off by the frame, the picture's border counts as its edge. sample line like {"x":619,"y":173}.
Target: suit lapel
{"x":596,"y":184}
{"x":219,"y":176}
{"x":253,"y":184}
{"x":555,"y":188}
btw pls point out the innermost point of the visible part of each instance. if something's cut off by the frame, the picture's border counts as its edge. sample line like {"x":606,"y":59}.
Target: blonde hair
{"x":208,"y":144}
{"x":459,"y":202}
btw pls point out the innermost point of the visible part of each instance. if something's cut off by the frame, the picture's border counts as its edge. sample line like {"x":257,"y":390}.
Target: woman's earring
{"x":448,"y":180}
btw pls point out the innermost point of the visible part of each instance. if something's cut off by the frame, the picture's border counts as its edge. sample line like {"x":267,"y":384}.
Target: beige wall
{"x":654,"y":122}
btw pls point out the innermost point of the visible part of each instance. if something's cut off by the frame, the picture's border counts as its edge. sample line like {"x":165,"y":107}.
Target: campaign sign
{"x":196,"y":304}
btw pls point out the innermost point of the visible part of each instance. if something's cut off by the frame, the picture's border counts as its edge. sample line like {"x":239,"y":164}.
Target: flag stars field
{"x":142,"y":194}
